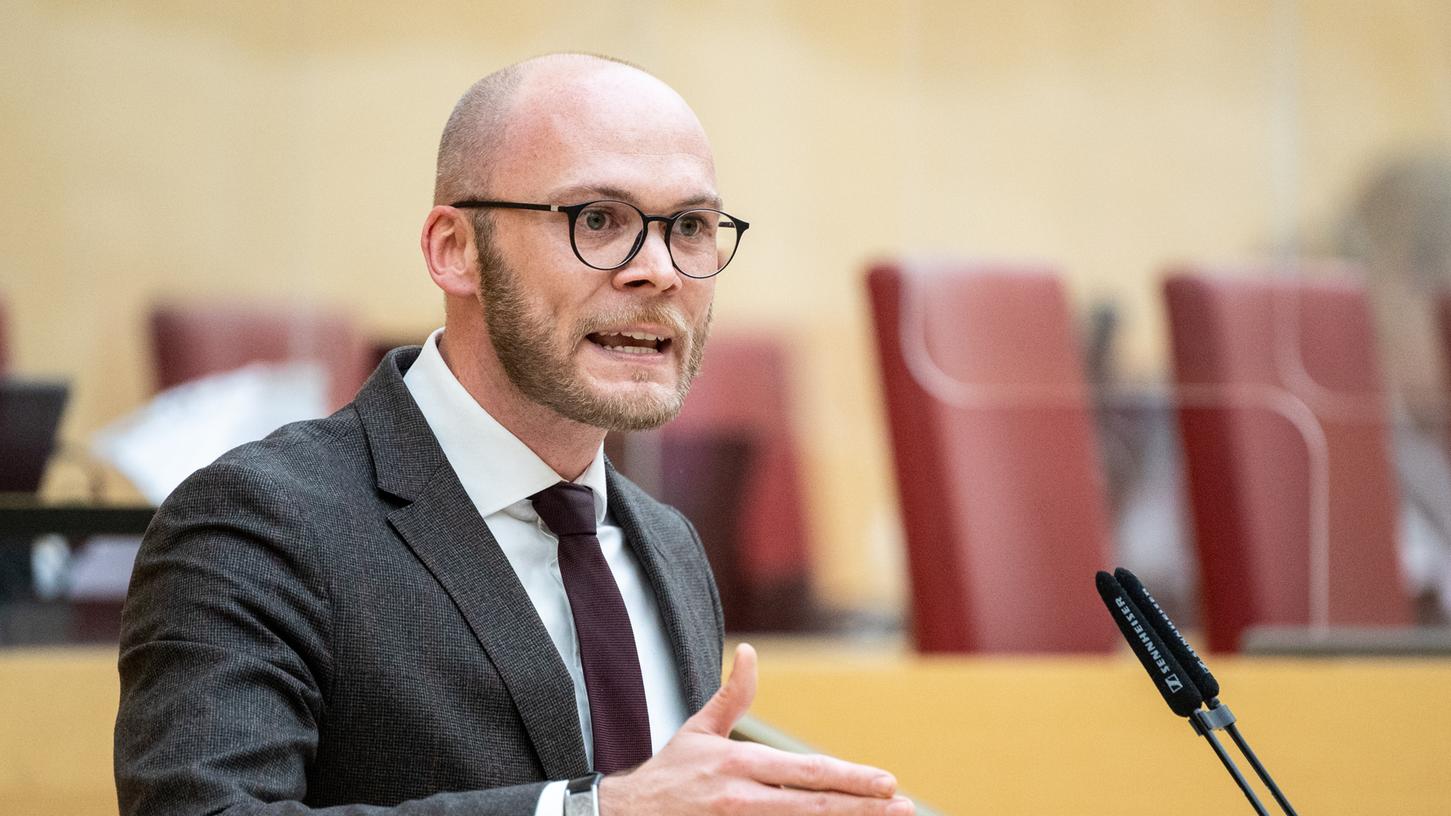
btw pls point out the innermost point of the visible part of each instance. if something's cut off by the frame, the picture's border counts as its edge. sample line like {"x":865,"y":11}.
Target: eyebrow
{"x":607,"y":191}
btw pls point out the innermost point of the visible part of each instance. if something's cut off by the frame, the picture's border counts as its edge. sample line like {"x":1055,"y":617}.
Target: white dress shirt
{"x":499,"y":473}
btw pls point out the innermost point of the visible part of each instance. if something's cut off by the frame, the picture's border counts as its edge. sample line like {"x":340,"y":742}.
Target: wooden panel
{"x":57,"y":711}
{"x":1089,"y":736}
{"x":1080,"y":736}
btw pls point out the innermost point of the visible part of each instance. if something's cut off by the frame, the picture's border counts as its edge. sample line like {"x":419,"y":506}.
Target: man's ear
{"x":451,"y":251}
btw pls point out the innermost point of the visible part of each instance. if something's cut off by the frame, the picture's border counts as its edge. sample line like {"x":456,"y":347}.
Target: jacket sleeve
{"x":225,"y":662}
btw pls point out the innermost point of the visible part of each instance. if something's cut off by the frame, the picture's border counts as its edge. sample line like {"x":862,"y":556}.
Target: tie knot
{"x":566,"y":509}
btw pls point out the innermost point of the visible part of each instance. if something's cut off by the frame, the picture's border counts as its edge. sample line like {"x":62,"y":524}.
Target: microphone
{"x":1180,"y":675}
{"x":1194,"y":668}
{"x":1169,"y":677}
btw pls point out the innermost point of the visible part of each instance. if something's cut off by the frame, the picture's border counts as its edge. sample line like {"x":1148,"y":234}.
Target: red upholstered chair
{"x":738,"y":419}
{"x":1443,"y":329}
{"x":1285,"y":440}
{"x":1443,"y":326}
{"x":705,"y":477}
{"x":191,"y":341}
{"x":1001,"y":490}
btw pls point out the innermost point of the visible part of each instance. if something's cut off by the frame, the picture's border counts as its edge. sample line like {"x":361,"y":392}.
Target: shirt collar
{"x":498,"y":471}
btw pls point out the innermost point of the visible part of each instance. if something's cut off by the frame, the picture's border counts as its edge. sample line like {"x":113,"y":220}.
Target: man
{"x":365,"y":614}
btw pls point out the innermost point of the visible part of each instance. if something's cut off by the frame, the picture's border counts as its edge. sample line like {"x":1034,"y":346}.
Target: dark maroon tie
{"x":617,"y":709}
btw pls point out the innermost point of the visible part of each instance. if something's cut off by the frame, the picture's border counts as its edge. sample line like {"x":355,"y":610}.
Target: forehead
{"x":597,"y":127}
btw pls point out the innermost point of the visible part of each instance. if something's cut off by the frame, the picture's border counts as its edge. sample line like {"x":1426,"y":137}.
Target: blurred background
{"x":1030,"y":289}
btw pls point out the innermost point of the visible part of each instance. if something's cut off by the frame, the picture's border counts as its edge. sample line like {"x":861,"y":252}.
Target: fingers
{"x":729,"y":704}
{"x":816,"y":772}
{"x":700,"y":771}
{"x":774,"y":802}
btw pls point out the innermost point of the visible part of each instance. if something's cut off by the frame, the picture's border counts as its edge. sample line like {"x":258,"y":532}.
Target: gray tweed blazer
{"x":321,"y":622}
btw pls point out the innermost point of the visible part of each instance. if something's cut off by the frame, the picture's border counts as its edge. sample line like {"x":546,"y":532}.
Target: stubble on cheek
{"x":545,"y":366}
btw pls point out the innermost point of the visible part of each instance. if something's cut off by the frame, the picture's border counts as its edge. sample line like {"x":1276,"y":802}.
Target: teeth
{"x":631,"y":342}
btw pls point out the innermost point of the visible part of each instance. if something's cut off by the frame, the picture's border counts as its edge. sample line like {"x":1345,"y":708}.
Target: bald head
{"x":530,"y":324}
{"x":480,"y":120}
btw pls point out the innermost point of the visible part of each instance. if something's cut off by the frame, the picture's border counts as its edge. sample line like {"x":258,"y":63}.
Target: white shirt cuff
{"x":551,"y":799}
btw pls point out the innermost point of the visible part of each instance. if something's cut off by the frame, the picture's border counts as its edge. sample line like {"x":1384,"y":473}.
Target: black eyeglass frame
{"x":573,"y":211}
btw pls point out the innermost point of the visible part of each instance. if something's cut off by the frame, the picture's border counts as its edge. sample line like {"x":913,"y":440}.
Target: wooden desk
{"x":1063,"y":737}
{"x":1090,"y":736}
{"x":21,"y":517}
{"x":57,"y":711}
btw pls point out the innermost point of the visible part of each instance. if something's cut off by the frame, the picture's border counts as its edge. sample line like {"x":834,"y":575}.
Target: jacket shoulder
{"x":308,"y":460}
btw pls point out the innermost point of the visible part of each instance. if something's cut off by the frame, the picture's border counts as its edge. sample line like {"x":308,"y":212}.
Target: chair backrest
{"x":704,"y":474}
{"x":191,"y":341}
{"x":30,"y":413}
{"x":1285,"y":441}
{"x":743,"y":394}
{"x":1001,"y":490}
{"x":1443,"y":332}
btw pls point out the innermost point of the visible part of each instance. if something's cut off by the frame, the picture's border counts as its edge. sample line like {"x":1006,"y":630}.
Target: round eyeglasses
{"x":607,"y":234}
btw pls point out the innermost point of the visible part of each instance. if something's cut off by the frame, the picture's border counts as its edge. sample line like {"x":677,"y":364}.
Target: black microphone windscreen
{"x":1194,"y":668}
{"x":1169,"y":677}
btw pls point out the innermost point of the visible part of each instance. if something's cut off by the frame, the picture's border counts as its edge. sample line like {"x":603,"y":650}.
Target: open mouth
{"x":630,"y":342}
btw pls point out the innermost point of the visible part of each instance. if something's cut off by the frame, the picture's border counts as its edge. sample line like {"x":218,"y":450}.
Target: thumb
{"x":729,"y":704}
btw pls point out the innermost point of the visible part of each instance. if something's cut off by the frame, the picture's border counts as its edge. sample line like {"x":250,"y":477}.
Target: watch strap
{"x":581,"y":795}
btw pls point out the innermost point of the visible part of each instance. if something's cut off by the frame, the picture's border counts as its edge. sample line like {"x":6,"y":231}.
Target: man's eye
{"x":595,"y":219}
{"x":690,"y":226}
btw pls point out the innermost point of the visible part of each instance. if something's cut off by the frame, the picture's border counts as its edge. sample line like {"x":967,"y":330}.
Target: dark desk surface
{"x":22,"y":516}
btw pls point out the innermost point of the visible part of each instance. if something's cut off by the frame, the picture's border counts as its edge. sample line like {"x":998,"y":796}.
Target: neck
{"x":566,"y":446}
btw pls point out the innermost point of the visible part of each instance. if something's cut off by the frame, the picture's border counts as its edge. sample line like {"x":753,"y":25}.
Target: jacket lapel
{"x":442,"y":527}
{"x":693,"y":656}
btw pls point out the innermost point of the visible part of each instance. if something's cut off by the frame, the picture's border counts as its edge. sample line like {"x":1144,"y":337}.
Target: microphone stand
{"x":1170,"y":660}
{"x":1218,"y":717}
{"x":1263,"y":774}
{"x":1205,"y":722}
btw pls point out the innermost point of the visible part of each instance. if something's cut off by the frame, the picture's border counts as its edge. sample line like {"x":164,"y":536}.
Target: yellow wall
{"x":261,"y":149}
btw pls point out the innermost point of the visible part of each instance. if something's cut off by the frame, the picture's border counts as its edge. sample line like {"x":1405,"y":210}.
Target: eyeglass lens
{"x":607,"y":233}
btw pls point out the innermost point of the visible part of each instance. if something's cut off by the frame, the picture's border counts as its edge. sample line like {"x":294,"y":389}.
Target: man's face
{"x":540,"y":354}
{"x":610,"y":349}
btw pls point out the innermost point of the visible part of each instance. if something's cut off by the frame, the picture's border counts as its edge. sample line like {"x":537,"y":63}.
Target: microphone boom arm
{"x":1170,"y":661}
{"x":1218,"y":717}
{"x":1205,"y":722}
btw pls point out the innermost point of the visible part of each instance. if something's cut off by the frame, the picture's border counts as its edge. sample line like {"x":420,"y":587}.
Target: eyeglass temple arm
{"x":511,"y":205}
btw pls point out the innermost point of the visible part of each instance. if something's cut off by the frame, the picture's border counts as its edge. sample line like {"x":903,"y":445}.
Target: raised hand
{"x":702,"y":771}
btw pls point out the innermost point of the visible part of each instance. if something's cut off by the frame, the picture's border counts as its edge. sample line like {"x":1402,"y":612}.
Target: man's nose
{"x":652,"y":265}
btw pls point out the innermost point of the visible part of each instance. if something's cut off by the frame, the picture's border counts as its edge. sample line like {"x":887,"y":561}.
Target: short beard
{"x":524,"y":344}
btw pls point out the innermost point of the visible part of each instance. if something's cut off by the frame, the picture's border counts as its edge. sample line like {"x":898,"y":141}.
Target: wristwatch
{"x":581,"y":795}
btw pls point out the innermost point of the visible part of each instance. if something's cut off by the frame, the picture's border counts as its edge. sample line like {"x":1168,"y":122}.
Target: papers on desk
{"x":189,"y":426}
{"x":101,"y":568}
